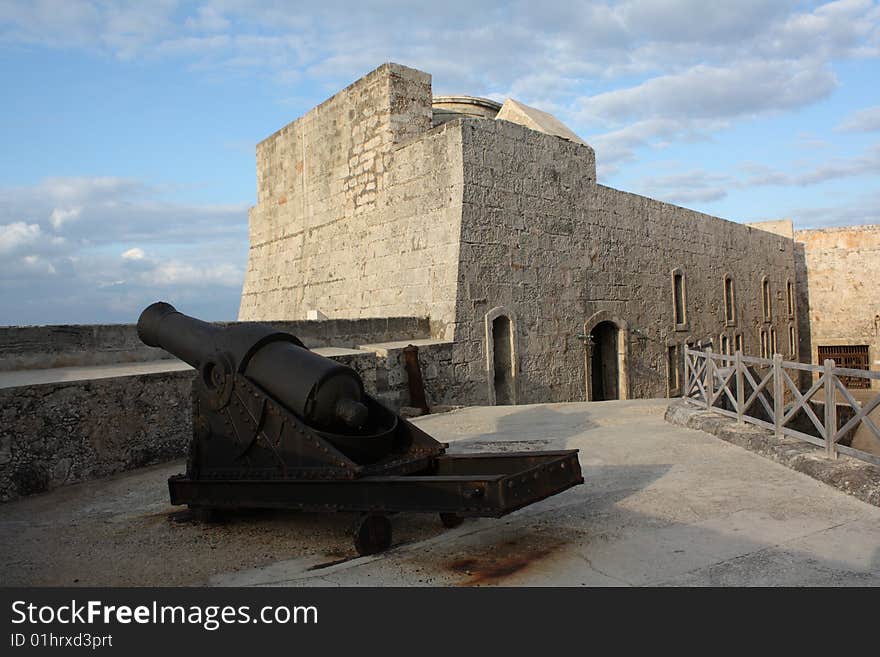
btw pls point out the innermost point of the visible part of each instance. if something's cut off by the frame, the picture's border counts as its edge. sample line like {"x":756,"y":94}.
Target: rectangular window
{"x":725,"y":345}
{"x":729,"y":314}
{"x":774,"y":349}
{"x":738,"y":342}
{"x":765,"y":345}
{"x":789,"y":293}
{"x":678,"y":298}
{"x":851,"y":356}
{"x":792,"y":347}
{"x":672,"y":370}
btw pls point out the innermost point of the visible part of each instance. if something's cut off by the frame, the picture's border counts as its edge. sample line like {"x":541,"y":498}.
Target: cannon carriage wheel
{"x":451,"y":520}
{"x":372,"y":534}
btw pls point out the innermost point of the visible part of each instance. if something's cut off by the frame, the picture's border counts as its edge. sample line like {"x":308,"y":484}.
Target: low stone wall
{"x":54,"y":434}
{"x":852,"y":476}
{"x":58,"y":433}
{"x":40,"y":347}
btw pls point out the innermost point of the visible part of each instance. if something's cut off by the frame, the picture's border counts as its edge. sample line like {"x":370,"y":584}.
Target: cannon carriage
{"x":276,"y":425}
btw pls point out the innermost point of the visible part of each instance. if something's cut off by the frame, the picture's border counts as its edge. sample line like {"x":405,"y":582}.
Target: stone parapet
{"x":85,"y":345}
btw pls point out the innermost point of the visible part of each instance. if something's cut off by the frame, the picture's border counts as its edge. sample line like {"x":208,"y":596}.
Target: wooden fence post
{"x":830,"y":410}
{"x":710,"y":377}
{"x":740,"y":387}
{"x":778,"y":401}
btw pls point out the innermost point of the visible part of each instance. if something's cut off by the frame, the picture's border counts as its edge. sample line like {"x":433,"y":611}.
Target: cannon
{"x":276,"y":425}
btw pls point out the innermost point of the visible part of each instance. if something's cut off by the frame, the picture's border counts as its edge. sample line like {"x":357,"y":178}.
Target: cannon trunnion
{"x":277,"y":426}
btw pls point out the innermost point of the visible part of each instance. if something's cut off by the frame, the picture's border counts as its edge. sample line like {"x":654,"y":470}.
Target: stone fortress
{"x":476,"y":231}
{"x":488,"y":219}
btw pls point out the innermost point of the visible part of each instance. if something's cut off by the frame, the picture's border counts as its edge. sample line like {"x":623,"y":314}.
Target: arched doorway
{"x":604,"y":366}
{"x":501,"y":356}
{"x":606,"y":338}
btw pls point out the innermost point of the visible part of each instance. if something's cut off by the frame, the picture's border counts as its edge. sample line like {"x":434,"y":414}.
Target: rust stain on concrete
{"x":506,"y":559}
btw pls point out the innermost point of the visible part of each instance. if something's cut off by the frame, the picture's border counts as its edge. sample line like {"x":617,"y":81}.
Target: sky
{"x":128,"y":128}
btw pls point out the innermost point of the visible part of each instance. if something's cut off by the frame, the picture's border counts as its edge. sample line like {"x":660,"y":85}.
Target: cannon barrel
{"x":326,"y":394}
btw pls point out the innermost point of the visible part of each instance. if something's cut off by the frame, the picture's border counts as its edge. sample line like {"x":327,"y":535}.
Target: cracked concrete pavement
{"x":662,"y":505}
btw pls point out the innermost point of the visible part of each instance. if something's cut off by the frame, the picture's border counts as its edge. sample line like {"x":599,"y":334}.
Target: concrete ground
{"x":662,"y":505}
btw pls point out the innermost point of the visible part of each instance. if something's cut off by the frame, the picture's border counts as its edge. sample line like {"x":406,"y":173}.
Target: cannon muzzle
{"x":161,"y":325}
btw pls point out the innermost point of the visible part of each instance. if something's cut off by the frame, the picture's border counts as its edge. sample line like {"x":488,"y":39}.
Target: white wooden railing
{"x":754,"y":387}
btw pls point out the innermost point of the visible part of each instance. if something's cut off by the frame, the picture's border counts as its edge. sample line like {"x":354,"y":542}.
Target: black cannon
{"x":276,"y":425}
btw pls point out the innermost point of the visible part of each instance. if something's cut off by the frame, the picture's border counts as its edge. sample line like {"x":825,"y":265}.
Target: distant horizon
{"x":132,"y":128}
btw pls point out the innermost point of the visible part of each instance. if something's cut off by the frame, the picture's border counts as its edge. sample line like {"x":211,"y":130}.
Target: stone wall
{"x":561,"y":253}
{"x":39,"y":347}
{"x":60,"y":433}
{"x":349,"y":202}
{"x":843,"y":267}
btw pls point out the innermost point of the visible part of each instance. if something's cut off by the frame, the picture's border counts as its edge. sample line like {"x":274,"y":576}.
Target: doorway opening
{"x":604,"y":362}
{"x":501,"y":356}
{"x":502,"y":360}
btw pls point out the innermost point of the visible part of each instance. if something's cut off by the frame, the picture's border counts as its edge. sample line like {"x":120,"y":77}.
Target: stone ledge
{"x":852,"y":476}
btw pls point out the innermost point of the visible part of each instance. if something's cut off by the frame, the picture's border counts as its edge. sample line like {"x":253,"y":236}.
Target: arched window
{"x":766,"y":299}
{"x":738,"y":342}
{"x":765,"y":344}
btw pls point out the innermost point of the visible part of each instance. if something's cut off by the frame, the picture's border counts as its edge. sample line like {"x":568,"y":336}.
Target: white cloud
{"x":17,"y":234}
{"x":866,"y":120}
{"x":620,"y":145}
{"x":700,"y":21}
{"x":194,"y":254}
{"x":746,"y":88}
{"x":701,"y":186}
{"x":110,"y":210}
{"x":59,"y":216}
{"x":500,"y":46}
{"x":175,"y":273}
{"x":121,"y":28}
{"x":92,"y":189}
{"x":864,"y":210}
{"x":208,"y":19}
{"x":841,"y":28}
{"x":38,"y":265}
{"x":686,"y":187}
{"x":699,"y":64}
{"x":840,"y":167}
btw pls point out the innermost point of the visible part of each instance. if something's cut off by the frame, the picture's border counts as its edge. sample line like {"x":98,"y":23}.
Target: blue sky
{"x":128,"y":128}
